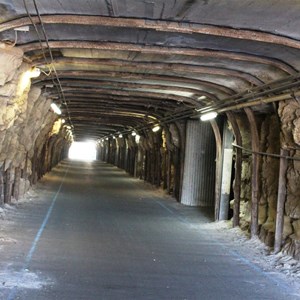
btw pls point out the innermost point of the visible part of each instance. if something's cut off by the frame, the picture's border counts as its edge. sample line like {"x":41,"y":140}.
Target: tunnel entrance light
{"x":55,"y":108}
{"x":84,"y":151}
{"x":208,"y":116}
{"x":156,"y":128}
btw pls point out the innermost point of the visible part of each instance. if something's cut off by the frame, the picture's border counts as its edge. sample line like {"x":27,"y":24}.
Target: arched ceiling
{"x":117,"y":65}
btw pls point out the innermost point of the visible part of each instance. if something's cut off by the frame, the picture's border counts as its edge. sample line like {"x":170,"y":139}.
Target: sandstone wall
{"x":278,"y":130}
{"x":289,"y":112}
{"x":26,"y":122}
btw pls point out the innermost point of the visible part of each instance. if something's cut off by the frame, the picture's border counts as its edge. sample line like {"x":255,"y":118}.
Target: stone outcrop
{"x":25,"y":123}
{"x":289,"y":112}
{"x":282,"y":130}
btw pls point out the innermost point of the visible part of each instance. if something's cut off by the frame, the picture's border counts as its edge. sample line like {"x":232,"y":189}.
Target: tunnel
{"x":191,"y":109}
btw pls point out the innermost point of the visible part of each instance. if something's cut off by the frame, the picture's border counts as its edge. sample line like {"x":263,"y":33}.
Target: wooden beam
{"x":2,"y":185}
{"x":168,"y":26}
{"x":218,"y":179}
{"x":227,"y":155}
{"x":281,"y":197}
{"x":17,"y":181}
{"x":238,"y":168}
{"x":7,"y":186}
{"x":134,"y":66}
{"x":255,"y":172}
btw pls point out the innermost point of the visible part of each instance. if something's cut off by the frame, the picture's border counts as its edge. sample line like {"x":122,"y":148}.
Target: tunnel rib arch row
{"x":117,"y":69}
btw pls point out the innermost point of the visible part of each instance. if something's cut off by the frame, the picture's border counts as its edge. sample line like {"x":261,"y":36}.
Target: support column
{"x":238,"y":169}
{"x":17,"y":183}
{"x":2,"y":185}
{"x":281,"y":200}
{"x":255,"y":171}
{"x":169,"y":171}
{"x":7,"y":186}
{"x":199,"y":165}
{"x":226,"y":172}
{"x":218,"y":139}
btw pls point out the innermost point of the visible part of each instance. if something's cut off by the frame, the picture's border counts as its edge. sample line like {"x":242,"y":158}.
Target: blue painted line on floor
{"x":13,"y":292}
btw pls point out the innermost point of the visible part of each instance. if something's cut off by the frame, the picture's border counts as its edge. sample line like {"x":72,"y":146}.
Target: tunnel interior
{"x":137,"y":77}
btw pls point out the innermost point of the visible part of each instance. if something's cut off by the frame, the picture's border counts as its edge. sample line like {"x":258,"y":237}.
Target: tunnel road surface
{"x":95,"y":233}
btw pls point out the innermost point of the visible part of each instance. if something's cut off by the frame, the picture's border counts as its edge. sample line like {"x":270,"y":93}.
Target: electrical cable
{"x":239,"y":98}
{"x":266,"y":153}
{"x":50,"y":65}
{"x":52,"y":60}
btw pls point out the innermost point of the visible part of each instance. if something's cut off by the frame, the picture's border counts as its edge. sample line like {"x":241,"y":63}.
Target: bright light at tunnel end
{"x":83,"y":151}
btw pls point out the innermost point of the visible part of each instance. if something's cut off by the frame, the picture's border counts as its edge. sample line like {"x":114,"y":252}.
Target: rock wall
{"x":245,"y":197}
{"x":276,"y":131}
{"x":269,"y":143}
{"x":156,"y":157}
{"x":289,"y":112}
{"x":25,"y":127}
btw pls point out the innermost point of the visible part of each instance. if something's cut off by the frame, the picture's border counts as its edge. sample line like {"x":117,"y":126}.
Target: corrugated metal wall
{"x":199,"y":165}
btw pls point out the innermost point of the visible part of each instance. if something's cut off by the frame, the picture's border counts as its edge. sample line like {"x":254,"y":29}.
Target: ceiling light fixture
{"x":208,"y":116}
{"x":202,"y":98}
{"x":120,"y":135}
{"x":156,"y":128}
{"x":34,"y":72}
{"x":137,"y":138}
{"x":55,"y":108}
{"x":133,"y":133}
{"x":22,"y":28}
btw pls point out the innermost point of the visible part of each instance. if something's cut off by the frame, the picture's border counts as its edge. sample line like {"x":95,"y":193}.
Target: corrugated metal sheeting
{"x":199,"y":165}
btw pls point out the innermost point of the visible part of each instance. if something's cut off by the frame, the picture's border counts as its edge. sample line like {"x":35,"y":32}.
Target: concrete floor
{"x":98,"y":234}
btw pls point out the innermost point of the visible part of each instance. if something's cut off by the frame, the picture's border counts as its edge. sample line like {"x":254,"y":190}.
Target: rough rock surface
{"x":289,"y":113}
{"x":269,"y":143}
{"x":25,"y":123}
{"x":274,"y":133}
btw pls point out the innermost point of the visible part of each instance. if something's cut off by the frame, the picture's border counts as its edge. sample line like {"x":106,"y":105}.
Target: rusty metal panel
{"x":199,"y":165}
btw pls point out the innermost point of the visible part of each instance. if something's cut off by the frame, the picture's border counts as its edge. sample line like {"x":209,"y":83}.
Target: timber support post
{"x":218,"y":179}
{"x":169,"y":171}
{"x":226,"y":172}
{"x":238,"y":169}
{"x":281,"y":200}
{"x":2,"y":185}
{"x":255,"y":171}
{"x":17,"y":183}
{"x":7,"y":186}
